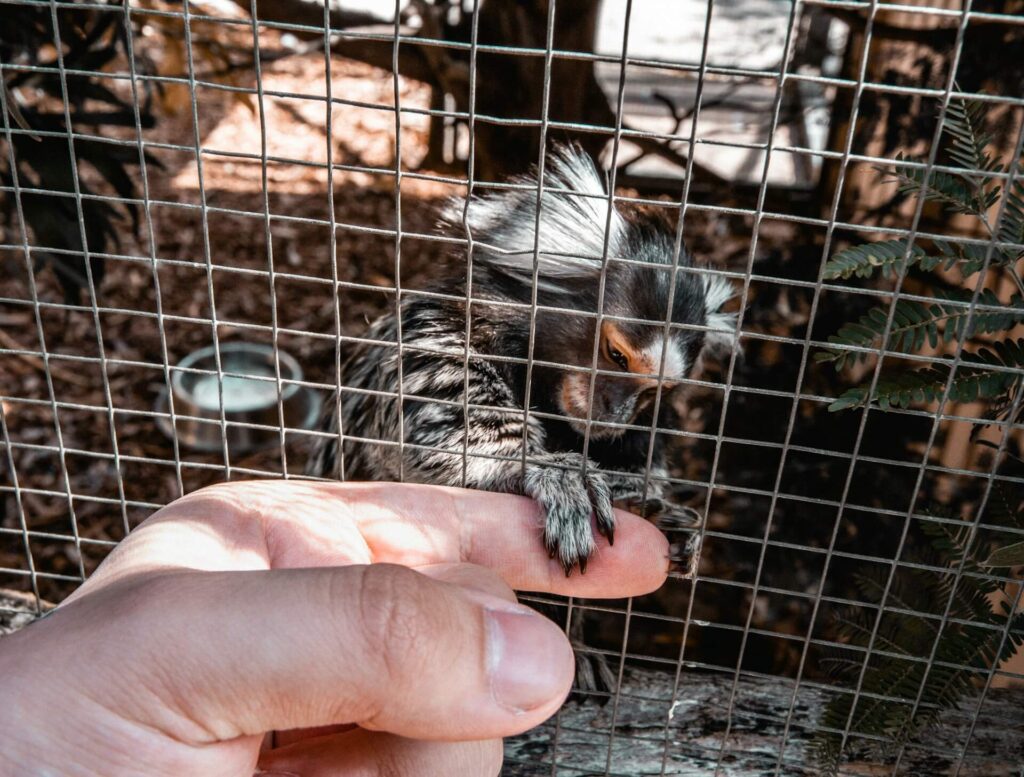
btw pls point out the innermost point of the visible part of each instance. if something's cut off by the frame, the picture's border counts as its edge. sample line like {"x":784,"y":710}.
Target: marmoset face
{"x":634,"y":351}
{"x":596,"y":287}
{"x":630,"y":360}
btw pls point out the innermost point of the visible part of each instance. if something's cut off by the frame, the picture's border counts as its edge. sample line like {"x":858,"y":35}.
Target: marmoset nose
{"x":617,"y":398}
{"x":646,"y":396}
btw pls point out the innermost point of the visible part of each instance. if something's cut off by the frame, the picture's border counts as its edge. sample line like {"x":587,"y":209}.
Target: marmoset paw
{"x":569,"y":497}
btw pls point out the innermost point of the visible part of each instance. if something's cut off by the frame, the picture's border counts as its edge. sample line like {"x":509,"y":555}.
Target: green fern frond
{"x":1010,"y":228}
{"x":970,"y":257}
{"x":916,"y":691}
{"x":965,"y":125}
{"x":887,"y":256}
{"x":911,"y":630}
{"x":987,"y":374}
{"x":943,"y":686}
{"x":1006,"y":506}
{"x":836,"y":665}
{"x":823,"y":750}
{"x":916,"y":324}
{"x":948,"y":538}
{"x":947,"y":258}
{"x":971,"y":595}
{"x":853,"y":631}
{"x":959,"y":325}
{"x":927,"y":665}
{"x":956,"y":192}
{"x":1007,"y":556}
{"x":913,"y":325}
{"x":954,"y":543}
{"x":862,"y":261}
{"x":972,"y":647}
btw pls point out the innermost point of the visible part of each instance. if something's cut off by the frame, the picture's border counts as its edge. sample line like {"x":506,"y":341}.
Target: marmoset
{"x":538,"y":309}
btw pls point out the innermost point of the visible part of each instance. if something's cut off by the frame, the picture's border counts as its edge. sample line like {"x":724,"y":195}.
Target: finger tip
{"x":636,"y":564}
{"x":638,"y":557}
{"x":634,"y":529}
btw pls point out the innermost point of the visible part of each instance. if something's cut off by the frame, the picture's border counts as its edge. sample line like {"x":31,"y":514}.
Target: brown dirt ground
{"x":128,"y":297}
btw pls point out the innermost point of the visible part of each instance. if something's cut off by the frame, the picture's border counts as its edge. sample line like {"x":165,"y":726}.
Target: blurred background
{"x":207,"y":149}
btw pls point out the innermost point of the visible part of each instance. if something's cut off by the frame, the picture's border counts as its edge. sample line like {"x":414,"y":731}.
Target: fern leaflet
{"x":988,"y":374}
{"x":916,"y":324}
{"x":965,"y":122}
{"x":958,"y":193}
{"x":1011,"y":225}
{"x":862,"y":261}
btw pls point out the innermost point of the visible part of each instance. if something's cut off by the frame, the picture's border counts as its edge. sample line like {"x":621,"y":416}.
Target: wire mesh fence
{"x":207,"y":204}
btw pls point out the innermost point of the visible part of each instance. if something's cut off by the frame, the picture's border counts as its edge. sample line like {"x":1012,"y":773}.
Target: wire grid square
{"x":85,"y":433}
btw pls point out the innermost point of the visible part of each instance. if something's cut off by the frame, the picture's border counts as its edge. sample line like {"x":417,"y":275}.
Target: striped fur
{"x":462,"y":421}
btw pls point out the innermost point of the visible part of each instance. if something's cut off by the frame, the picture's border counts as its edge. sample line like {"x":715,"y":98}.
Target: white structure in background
{"x":736,"y":113}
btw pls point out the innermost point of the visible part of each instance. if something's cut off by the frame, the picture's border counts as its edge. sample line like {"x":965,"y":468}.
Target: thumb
{"x":230,"y":654}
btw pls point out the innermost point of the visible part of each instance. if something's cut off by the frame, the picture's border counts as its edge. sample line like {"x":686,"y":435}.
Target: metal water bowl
{"x":246,"y":384}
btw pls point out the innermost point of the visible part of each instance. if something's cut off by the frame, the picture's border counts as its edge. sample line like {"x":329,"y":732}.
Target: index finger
{"x":281,"y":524}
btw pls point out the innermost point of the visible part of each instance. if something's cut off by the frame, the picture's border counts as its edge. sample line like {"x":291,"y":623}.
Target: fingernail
{"x":525,"y":654}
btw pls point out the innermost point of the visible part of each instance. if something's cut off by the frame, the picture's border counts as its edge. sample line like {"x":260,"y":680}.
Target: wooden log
{"x":17,"y":610}
{"x":687,"y":734}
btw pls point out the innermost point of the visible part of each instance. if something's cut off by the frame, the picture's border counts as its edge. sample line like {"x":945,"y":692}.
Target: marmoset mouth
{"x":598,"y":430}
{"x":572,"y":401}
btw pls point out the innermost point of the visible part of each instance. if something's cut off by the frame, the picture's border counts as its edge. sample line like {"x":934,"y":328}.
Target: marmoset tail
{"x":450,"y":411}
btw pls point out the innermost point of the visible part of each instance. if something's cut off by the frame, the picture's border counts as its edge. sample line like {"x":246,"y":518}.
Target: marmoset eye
{"x":618,"y":357}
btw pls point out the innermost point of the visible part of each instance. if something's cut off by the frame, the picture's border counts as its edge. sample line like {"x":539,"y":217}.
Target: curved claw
{"x":603,"y":513}
{"x":570,"y":498}
{"x":683,"y":559}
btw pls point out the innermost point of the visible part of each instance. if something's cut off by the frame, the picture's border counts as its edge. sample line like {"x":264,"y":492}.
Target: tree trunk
{"x":511,"y":86}
{"x":914,"y":50}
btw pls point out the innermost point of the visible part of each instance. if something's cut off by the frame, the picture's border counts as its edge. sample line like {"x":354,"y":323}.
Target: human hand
{"x":371,"y":624}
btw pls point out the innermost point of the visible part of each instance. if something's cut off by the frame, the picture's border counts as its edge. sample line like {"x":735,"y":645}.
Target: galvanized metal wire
{"x":268,"y":281}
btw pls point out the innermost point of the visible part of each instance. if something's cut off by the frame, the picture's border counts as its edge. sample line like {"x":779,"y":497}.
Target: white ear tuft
{"x":721,"y":338}
{"x":573,"y":217}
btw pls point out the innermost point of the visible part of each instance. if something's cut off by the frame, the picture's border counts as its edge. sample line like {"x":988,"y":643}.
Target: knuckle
{"x":394,"y":624}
